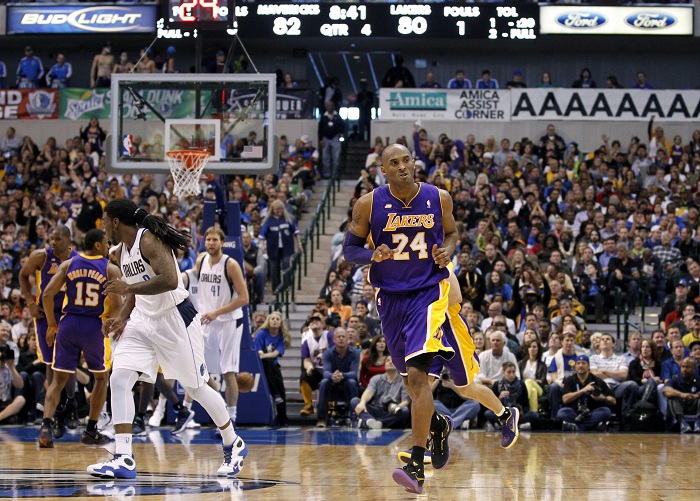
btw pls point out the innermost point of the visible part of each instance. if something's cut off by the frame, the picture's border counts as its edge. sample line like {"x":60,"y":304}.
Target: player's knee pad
{"x":122,"y":382}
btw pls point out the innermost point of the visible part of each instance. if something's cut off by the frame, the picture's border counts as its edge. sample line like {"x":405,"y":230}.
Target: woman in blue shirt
{"x":278,"y":234}
{"x":270,"y":341}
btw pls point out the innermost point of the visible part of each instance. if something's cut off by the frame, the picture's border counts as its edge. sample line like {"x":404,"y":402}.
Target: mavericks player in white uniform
{"x":222,"y":293}
{"x":157,"y":325}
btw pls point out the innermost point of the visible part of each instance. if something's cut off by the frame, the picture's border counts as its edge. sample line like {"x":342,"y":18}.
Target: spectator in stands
{"x":561,"y":366}
{"x":645,"y":371}
{"x":340,"y":367}
{"x":102,"y":65}
{"x":124,"y":65}
{"x":314,"y":343}
{"x":365,"y":103}
{"x":270,"y":342}
{"x":3,"y":74}
{"x":255,"y":267}
{"x":430,"y":82}
{"x":33,"y":373}
{"x":30,"y":70}
{"x":534,"y":372}
{"x":278,"y":236}
{"x":491,"y":361}
{"x":634,"y":344}
{"x":11,"y":398}
{"x":60,"y":73}
{"x":459,"y":82}
{"x":512,"y":392}
{"x":517,"y":82}
{"x":145,"y":64}
{"x":11,"y":143}
{"x":585,"y":80}
{"x":670,"y":258}
{"x":683,"y":395}
{"x":642,"y":82}
{"x":586,"y":398}
{"x":486,"y":82}
{"x":385,"y":402}
{"x":623,"y":275}
{"x":613,"y":369}
{"x":330,"y":131}
{"x":373,"y":362}
{"x":337,"y":306}
{"x":398,"y":75}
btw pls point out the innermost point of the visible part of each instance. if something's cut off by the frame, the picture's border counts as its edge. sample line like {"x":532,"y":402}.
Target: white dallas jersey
{"x":215,"y":290}
{"x":136,"y":268}
{"x":193,"y":288}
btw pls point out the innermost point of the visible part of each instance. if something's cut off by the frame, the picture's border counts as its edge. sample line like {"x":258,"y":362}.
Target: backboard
{"x":231,"y":116}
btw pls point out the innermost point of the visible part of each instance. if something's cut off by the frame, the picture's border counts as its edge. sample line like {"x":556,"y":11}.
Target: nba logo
{"x":127,"y":145}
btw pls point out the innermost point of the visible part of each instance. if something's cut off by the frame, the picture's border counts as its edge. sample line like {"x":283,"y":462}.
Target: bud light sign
{"x":48,"y":19}
{"x":600,"y":20}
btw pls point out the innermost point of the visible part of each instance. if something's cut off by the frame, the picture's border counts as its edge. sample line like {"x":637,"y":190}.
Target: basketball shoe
{"x":157,"y":416}
{"x":71,"y":414}
{"x":509,"y":427}
{"x":96,"y":438}
{"x":45,"y":438}
{"x":138,"y":428}
{"x":405,"y":456}
{"x":439,"y":446}
{"x":234,"y":455}
{"x":59,"y":422}
{"x":411,"y":477}
{"x":120,"y":466}
{"x":184,"y":416}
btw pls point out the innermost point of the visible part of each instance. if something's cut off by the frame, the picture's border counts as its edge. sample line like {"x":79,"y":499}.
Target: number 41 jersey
{"x":412,"y":229}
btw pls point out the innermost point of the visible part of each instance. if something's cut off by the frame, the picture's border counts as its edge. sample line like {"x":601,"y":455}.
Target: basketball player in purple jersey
{"x":80,"y":332}
{"x":43,"y":263}
{"x":412,"y":231}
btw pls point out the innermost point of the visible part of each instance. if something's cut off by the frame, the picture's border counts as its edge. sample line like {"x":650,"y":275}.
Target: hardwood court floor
{"x":305,"y":464}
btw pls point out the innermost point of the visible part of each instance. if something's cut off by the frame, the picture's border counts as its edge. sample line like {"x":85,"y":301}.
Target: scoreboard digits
{"x":376,"y":20}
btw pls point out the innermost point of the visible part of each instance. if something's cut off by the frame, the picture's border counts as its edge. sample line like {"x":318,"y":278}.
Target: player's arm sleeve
{"x":354,"y":249}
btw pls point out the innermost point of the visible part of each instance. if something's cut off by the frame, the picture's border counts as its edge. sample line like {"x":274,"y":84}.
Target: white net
{"x":186,"y":167}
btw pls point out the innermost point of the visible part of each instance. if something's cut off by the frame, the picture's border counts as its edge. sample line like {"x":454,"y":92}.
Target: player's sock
{"x":176,"y":407}
{"x":122,"y":443}
{"x":503,"y":415}
{"x":232,"y":412}
{"x":417,"y":454}
{"x":91,"y":426}
{"x":228,"y":435}
{"x":187,"y":405}
{"x":438,"y":424}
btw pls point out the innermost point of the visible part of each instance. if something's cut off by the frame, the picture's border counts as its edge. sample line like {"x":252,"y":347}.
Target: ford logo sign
{"x":650,"y":20}
{"x":582,"y":19}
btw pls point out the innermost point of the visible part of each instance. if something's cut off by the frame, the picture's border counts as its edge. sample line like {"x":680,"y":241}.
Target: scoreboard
{"x":328,"y":20}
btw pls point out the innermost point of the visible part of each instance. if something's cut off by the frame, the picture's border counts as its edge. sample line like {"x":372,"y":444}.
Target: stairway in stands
{"x":311,"y":284}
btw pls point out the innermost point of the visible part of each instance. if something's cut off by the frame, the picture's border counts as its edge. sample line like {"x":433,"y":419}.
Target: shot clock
{"x":351,"y":20}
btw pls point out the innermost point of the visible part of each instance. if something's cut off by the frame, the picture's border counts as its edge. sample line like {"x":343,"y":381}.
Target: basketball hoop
{"x":186,"y":167}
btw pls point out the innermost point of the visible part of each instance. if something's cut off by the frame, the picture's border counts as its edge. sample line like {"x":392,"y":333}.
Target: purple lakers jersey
{"x":86,"y":277}
{"x":413,"y":229}
{"x":44,"y":275}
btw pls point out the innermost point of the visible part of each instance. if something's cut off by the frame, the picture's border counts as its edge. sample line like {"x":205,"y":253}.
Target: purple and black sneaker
{"x":439,"y":447}
{"x":510,"y":429}
{"x":411,"y":477}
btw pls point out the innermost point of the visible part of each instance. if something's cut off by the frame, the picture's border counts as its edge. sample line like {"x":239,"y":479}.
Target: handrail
{"x":310,"y":241}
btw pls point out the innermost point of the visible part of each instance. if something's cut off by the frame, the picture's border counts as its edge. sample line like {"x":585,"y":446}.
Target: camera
{"x":596,"y":391}
{"x":6,"y":353}
{"x":582,"y":416}
{"x":445,"y":376}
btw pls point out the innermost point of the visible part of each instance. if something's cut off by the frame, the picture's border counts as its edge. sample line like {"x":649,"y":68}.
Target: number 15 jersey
{"x":412,"y":229}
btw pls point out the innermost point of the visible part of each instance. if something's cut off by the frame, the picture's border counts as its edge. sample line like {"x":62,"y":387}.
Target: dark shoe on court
{"x":59,"y":424}
{"x":71,"y":414}
{"x":184,"y":416}
{"x":138,"y":428}
{"x":439,"y":446}
{"x":307,"y":410}
{"x":96,"y":438}
{"x":510,"y":429}
{"x":411,"y":477}
{"x":405,"y":456}
{"x":45,"y":438}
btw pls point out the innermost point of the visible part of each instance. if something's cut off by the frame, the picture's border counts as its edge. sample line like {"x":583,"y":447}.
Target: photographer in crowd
{"x":587,"y":399}
{"x":11,"y":385}
{"x":385,"y":402}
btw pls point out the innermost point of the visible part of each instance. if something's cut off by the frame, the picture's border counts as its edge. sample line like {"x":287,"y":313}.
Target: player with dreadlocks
{"x":157,"y":326}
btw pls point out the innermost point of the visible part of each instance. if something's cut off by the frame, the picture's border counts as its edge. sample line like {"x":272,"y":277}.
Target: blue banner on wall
{"x":49,"y":19}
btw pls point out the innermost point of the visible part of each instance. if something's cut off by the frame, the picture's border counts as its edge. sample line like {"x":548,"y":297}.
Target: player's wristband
{"x":354,"y":249}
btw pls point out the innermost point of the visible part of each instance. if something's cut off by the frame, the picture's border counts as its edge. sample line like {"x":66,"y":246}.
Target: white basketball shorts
{"x":222,"y":345}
